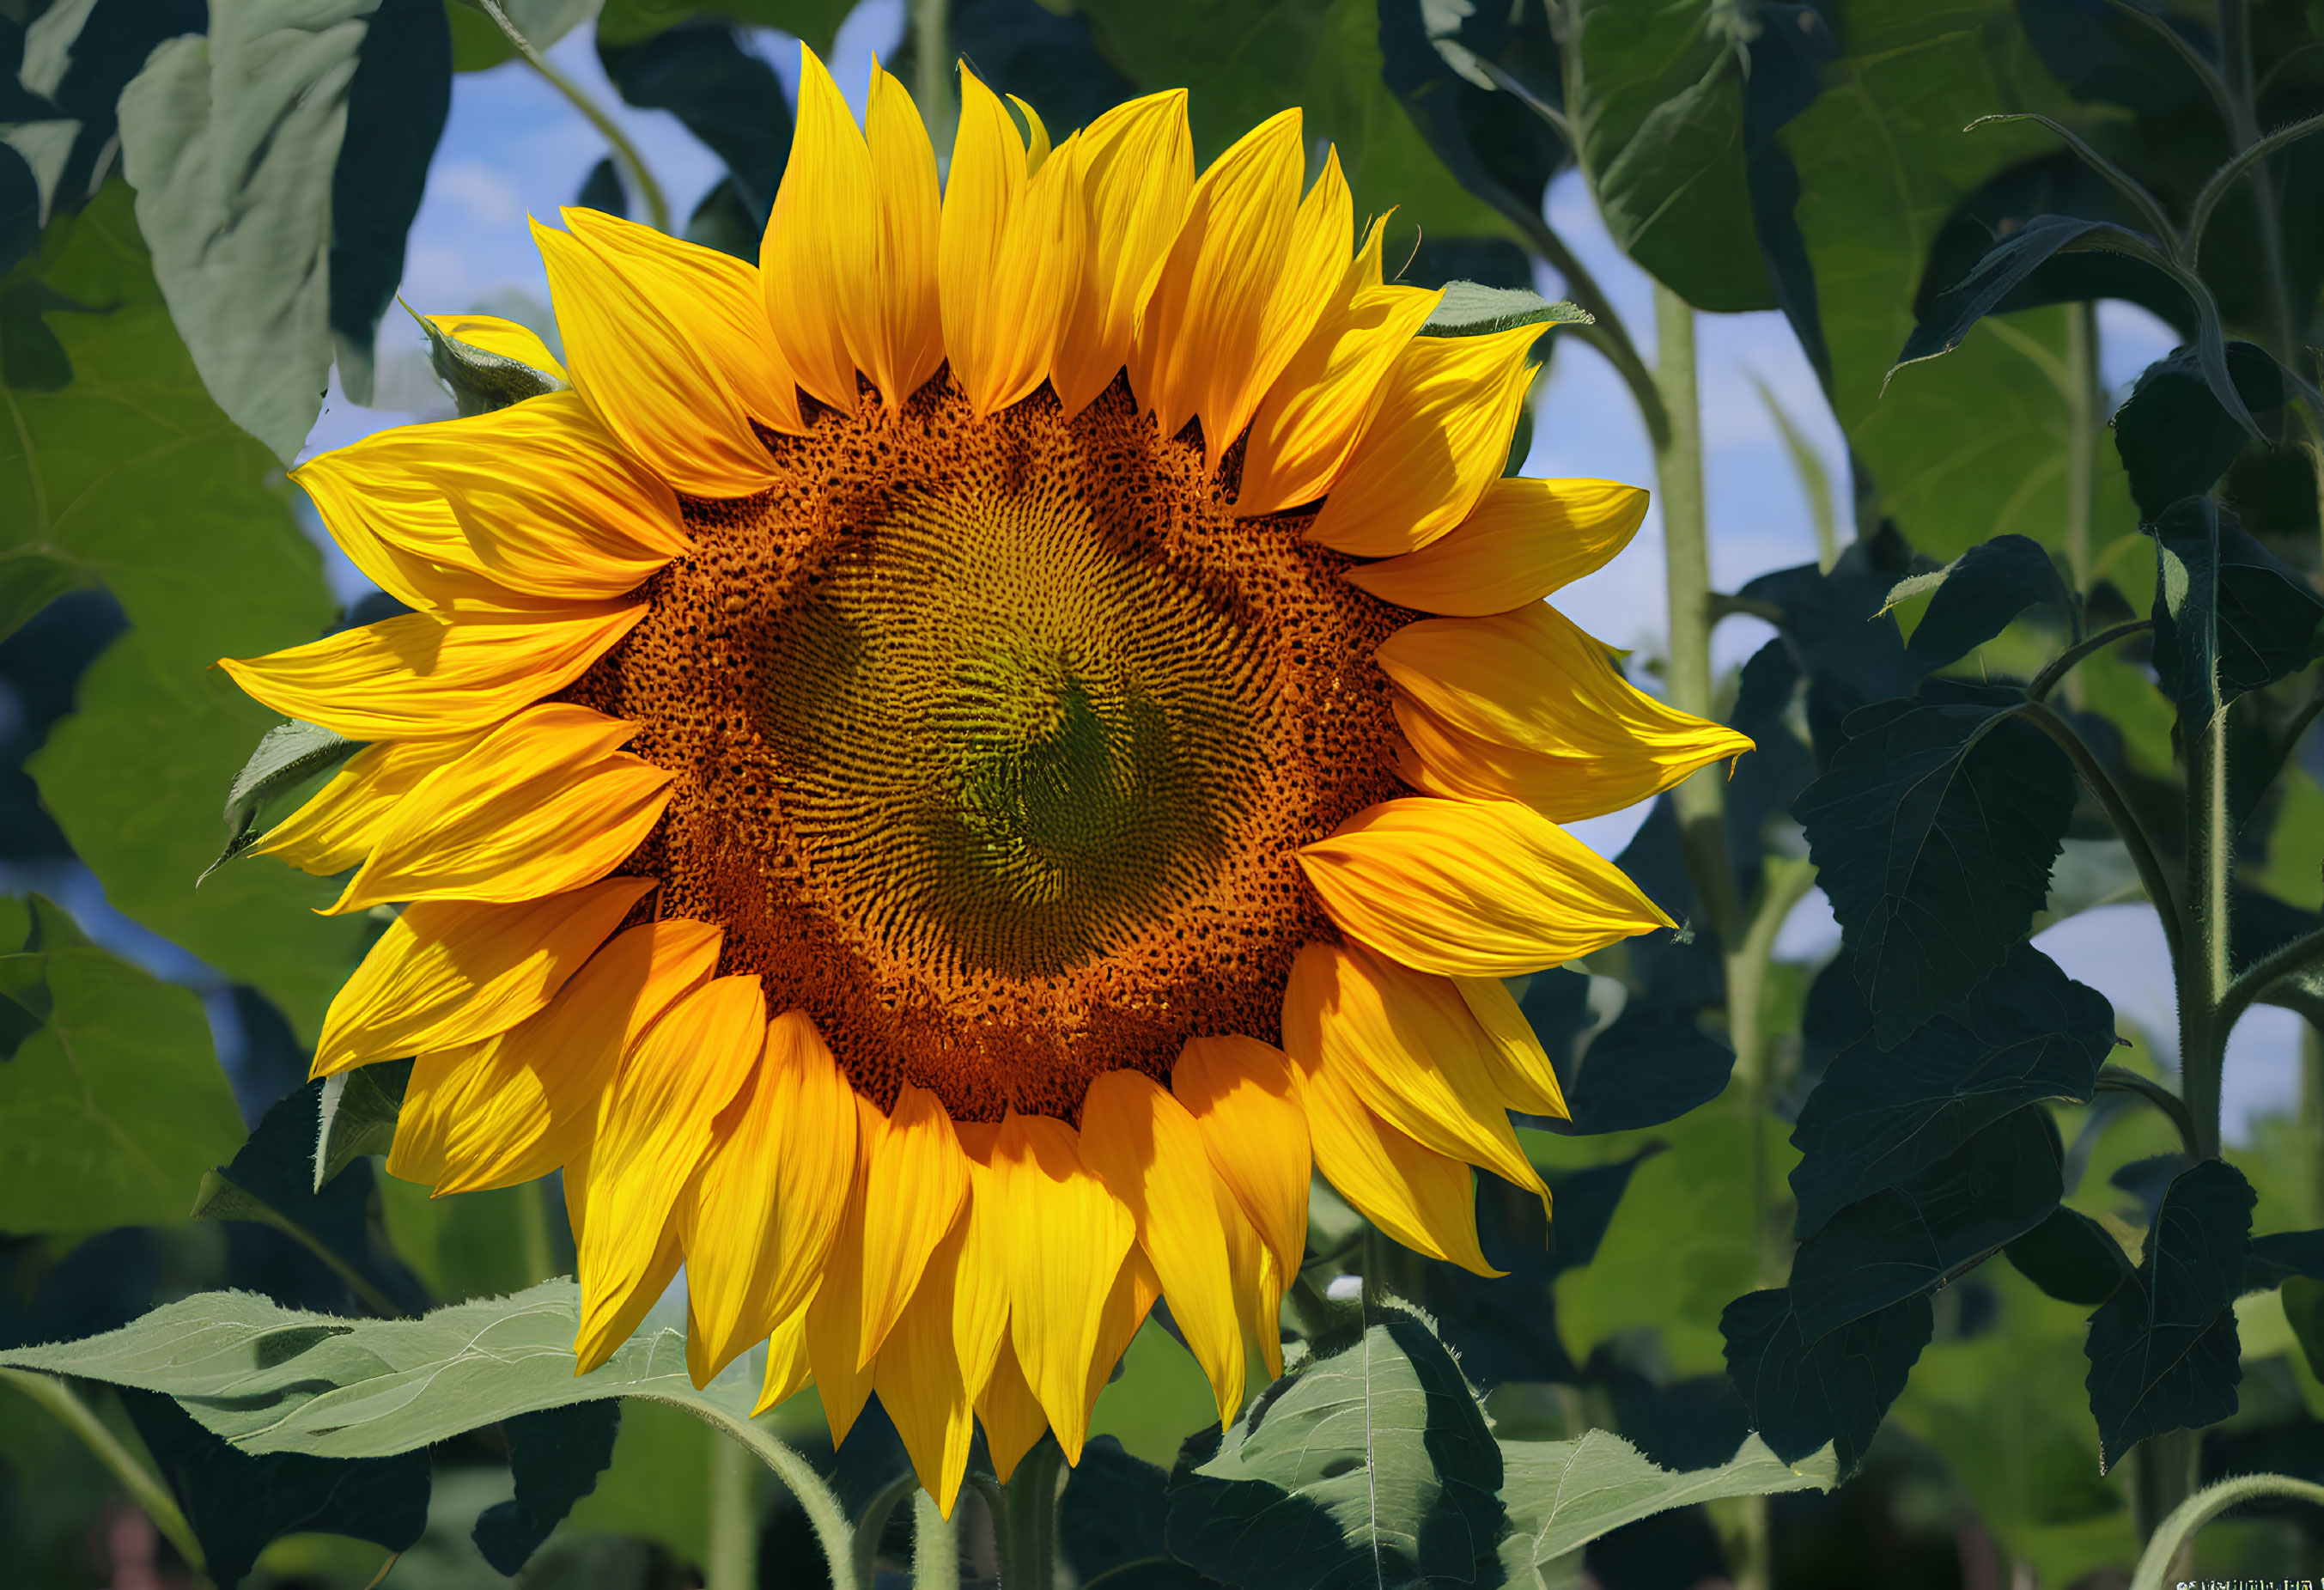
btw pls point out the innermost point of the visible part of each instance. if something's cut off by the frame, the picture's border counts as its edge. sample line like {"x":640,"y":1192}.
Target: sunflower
{"x":919,"y":778}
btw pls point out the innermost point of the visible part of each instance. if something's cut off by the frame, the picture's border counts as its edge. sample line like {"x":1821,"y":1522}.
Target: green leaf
{"x":2231,"y":616}
{"x":2073,"y":1258}
{"x":478,"y":44}
{"x":30,"y":581}
{"x":356,"y":1111}
{"x":130,"y":476}
{"x":1967,"y":447}
{"x":239,"y":1504}
{"x":1879,"y":1120}
{"x":1111,"y":1521}
{"x":481,"y":381}
{"x":2303,"y":1308}
{"x":1471,"y":309}
{"x":288,"y":756}
{"x":2281,"y":1255}
{"x":727,"y":96}
{"x":1803,"y":1394}
{"x":815,"y":22}
{"x":270,"y":1379}
{"x":554,"y":1457}
{"x":2163,"y":1351}
{"x":1916,"y":1235}
{"x":1933,"y":832}
{"x":1563,"y":1495}
{"x":1322,"y":56}
{"x":245,"y":145}
{"x":1371,"y":1464}
{"x":2174,"y":437}
{"x":112,"y":1104}
{"x":1978,"y":594}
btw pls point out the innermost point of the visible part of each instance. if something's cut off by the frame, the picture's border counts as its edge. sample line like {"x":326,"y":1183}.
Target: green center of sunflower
{"x":1007,"y":740}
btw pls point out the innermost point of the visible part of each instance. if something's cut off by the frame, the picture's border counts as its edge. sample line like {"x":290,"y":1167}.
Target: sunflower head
{"x":922,"y":773}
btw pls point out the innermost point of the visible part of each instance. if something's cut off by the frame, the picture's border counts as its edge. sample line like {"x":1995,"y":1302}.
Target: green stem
{"x":2082,"y":426}
{"x":932,"y":69}
{"x":873,"y":1524}
{"x":2156,"y":882}
{"x":733,"y":1548}
{"x":2311,"y":1116}
{"x":2158,"y":1563}
{"x":1025,"y":1518}
{"x":2165,"y":1470}
{"x":2047,"y":679}
{"x":824,"y":1514}
{"x":2262,"y":973}
{"x":936,"y":1547}
{"x":656,"y":202}
{"x":2115,"y":1079}
{"x":145,"y":1486}
{"x":2235,"y":71}
{"x":2203,"y":972}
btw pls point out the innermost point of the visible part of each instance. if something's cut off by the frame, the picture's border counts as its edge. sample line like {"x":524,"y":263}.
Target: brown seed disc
{"x":995,"y":741}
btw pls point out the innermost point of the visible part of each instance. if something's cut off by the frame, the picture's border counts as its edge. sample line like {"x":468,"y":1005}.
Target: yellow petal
{"x":649,"y":349}
{"x":788,"y":1372}
{"x":1058,"y":1284}
{"x":917,"y":1188}
{"x":1243,"y":283}
{"x":1527,"y":1080}
{"x":1012,"y":1416}
{"x":1244,"y":1095}
{"x":536,"y":500}
{"x":435,"y":1096}
{"x":835,"y":1320}
{"x":1138,"y":164}
{"x":410,"y":678}
{"x":1152,"y":1155}
{"x":980,"y":1315}
{"x":759,"y":1220}
{"x":1438,"y":436}
{"x":822,"y":246}
{"x":1127,"y":1303}
{"x":540,"y":805}
{"x":1010,"y":253}
{"x":1437,"y":758}
{"x":1532,"y":679}
{"x":1036,"y":149}
{"x":447,"y":973}
{"x":1424,"y":1199}
{"x":1308,"y":423}
{"x":1522,"y":540}
{"x":918,"y":1378}
{"x":338,"y":826}
{"x":1472,"y":890}
{"x":907,"y":317}
{"x":656,"y":1131}
{"x":1406,"y":1044}
{"x":1258,"y":1283}
{"x":539,"y":1088}
{"x":504,"y":337}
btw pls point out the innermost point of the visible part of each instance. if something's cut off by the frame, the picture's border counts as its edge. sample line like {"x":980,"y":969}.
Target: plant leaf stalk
{"x":650,"y":191}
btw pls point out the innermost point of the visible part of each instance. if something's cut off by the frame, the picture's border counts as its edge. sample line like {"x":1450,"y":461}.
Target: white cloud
{"x":484,"y":196}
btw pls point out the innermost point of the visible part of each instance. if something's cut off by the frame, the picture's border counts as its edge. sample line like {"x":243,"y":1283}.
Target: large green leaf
{"x":112,"y":1104}
{"x":1563,"y":1495}
{"x":1246,"y":62}
{"x":1972,"y":445}
{"x":131,"y":477}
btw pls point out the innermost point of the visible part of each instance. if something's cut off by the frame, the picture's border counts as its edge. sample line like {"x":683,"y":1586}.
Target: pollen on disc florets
{"x":997,"y":736}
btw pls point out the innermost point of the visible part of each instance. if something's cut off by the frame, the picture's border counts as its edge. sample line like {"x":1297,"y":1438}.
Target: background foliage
{"x":1926,"y":1217}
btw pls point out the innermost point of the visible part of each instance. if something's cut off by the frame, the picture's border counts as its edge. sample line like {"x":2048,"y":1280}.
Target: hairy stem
{"x":2203,"y":970}
{"x":733,"y":1554}
{"x":2158,"y":1566}
{"x":815,"y":1499}
{"x":2082,"y":426}
{"x":935,"y":1547}
{"x":2060,"y":666}
{"x":2151,"y":875}
{"x":145,"y":1487}
{"x":2116,"y":1079}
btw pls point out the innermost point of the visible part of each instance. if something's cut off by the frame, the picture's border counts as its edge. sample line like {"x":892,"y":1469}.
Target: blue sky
{"x":514,"y":148}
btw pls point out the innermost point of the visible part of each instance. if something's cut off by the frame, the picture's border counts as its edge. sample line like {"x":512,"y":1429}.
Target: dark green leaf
{"x":722,"y":221}
{"x":1932,"y":834}
{"x":1834,"y":632}
{"x":287,"y":756}
{"x":131,"y":475}
{"x":1913,"y":1237}
{"x":1563,"y":1495}
{"x":1652,"y":1064}
{"x":2073,"y":1258}
{"x":112,"y":1104}
{"x":271,"y":1181}
{"x":1471,"y":309}
{"x":2303,"y":1308}
{"x":481,"y":381}
{"x":20,"y":208}
{"x":2229,"y":615}
{"x":726,"y":96}
{"x":239,"y":1504}
{"x":356,"y":1111}
{"x":1371,"y":1464}
{"x":2163,"y":1351}
{"x":2004,"y":269}
{"x":1804,"y":1394}
{"x":2280,"y":1255}
{"x":1111,"y":1521}
{"x":2174,"y":437}
{"x":602,"y":189}
{"x":554,"y":1457}
{"x":1978,"y":594}
{"x":813,"y":23}
{"x":1878,"y":1120}
{"x":30,"y":581}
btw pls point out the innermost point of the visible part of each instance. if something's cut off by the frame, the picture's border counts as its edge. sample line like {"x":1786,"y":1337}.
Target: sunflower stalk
{"x":733,"y":1548}
{"x":145,"y":1488}
{"x":1024,"y":1517}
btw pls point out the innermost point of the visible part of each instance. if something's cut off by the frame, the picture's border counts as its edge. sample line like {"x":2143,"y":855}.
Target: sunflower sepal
{"x":1471,"y":309}
{"x":480,"y":379}
{"x":288,"y":756}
